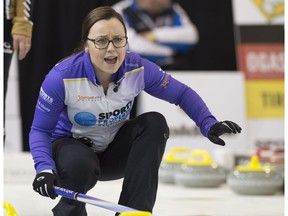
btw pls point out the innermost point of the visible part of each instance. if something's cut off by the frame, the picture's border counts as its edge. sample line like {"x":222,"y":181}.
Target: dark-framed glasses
{"x":103,"y":42}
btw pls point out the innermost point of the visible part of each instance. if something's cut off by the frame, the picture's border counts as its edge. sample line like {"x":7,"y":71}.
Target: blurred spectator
{"x":159,"y":30}
{"x":215,"y":50}
{"x":17,"y":34}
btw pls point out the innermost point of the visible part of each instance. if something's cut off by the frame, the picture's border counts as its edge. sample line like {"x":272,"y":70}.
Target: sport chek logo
{"x":270,"y":8}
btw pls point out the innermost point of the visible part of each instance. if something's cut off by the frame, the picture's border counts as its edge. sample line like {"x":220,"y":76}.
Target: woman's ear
{"x":86,"y":49}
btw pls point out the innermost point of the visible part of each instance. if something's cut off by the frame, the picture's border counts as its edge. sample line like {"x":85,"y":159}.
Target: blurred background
{"x":236,"y":65}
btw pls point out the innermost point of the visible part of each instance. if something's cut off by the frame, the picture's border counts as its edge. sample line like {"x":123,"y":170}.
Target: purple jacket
{"x":72,"y":103}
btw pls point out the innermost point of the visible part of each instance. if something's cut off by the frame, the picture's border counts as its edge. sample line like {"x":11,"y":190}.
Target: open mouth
{"x":110,"y":60}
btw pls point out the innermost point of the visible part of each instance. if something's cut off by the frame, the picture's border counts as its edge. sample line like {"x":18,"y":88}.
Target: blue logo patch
{"x":85,"y":119}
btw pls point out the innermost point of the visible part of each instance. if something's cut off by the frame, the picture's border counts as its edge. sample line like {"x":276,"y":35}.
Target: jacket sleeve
{"x":49,"y":106}
{"x":21,"y":19}
{"x":184,"y":31}
{"x":163,"y":86}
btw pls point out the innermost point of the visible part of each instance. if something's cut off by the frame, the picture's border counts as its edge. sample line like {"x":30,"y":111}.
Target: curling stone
{"x":255,"y":179}
{"x":171,"y":162}
{"x":200,"y":171}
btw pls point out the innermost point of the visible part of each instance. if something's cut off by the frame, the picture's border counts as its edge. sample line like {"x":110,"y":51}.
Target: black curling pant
{"x":135,"y":154}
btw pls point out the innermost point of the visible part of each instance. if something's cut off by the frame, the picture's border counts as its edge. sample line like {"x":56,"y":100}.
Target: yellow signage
{"x":265,"y":98}
{"x":270,"y":8}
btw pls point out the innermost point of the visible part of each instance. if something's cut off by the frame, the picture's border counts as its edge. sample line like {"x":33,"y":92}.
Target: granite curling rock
{"x":255,"y":179}
{"x":200,"y":171}
{"x":171,"y":163}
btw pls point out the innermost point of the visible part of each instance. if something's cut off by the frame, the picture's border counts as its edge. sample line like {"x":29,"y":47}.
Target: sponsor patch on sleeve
{"x":165,"y":80}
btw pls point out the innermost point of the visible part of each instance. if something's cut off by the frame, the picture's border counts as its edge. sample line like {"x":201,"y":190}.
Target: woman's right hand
{"x":44,"y":184}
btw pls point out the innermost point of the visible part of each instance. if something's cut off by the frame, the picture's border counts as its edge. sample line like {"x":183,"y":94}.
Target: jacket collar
{"x":91,"y":75}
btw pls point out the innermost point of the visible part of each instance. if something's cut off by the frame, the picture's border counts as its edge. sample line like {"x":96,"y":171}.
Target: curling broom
{"x":10,"y":211}
{"x":124,"y":210}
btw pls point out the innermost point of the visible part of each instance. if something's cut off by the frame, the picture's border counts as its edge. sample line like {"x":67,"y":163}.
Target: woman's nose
{"x":110,"y":46}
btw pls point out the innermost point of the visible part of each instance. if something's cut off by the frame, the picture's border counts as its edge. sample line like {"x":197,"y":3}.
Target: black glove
{"x":220,"y":128}
{"x":44,"y":183}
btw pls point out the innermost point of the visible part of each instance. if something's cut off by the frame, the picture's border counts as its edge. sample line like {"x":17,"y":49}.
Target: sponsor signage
{"x":261,"y":51}
{"x":261,"y":61}
{"x":249,"y":12}
{"x":259,"y":28}
{"x":265,"y":98}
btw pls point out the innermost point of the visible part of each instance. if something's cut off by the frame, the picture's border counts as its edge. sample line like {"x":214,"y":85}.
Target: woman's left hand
{"x":220,"y":128}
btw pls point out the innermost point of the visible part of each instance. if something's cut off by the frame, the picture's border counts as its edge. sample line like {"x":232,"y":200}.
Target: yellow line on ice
{"x":140,"y":213}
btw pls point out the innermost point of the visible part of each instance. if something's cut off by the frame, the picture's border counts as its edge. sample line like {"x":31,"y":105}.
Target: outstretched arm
{"x":163,"y":86}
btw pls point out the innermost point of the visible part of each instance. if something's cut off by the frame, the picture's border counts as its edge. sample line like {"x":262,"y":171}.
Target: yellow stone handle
{"x":199,"y":158}
{"x":171,"y":155}
{"x":253,"y":165}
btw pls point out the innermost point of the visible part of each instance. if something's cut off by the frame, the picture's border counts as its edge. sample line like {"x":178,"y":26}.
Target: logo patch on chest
{"x":85,"y":118}
{"x":104,"y":118}
{"x":88,"y":98}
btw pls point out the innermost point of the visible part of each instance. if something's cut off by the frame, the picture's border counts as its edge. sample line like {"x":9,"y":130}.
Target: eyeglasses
{"x":103,"y":43}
